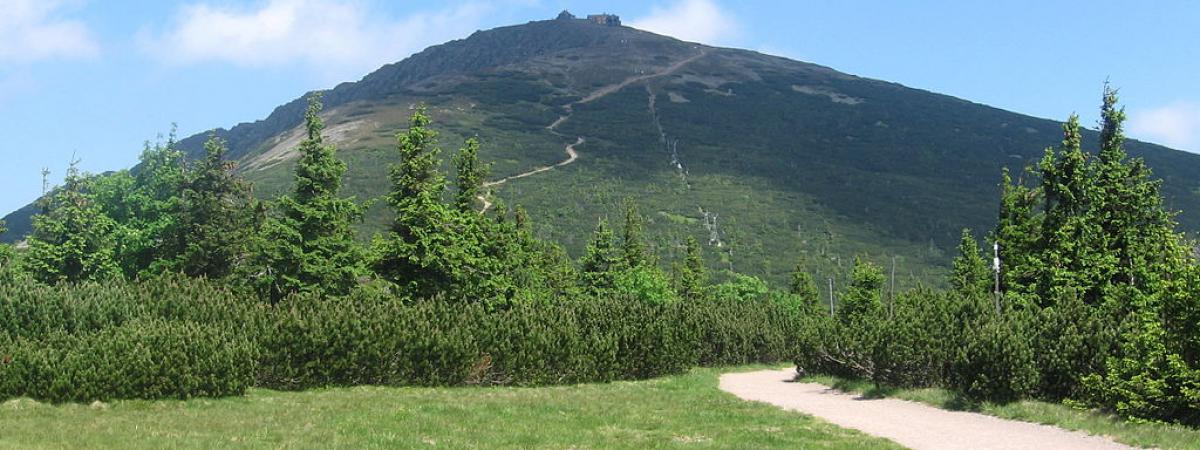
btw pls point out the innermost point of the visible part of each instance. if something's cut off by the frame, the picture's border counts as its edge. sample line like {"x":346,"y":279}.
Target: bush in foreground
{"x":179,"y":338}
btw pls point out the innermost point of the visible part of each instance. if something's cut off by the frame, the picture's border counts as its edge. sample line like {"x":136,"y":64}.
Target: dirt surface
{"x":910,"y":424}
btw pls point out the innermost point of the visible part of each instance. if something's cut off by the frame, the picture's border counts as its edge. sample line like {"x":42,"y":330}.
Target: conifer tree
{"x":864,"y":296}
{"x":72,"y":239}
{"x":602,"y":260}
{"x":970,"y":275}
{"x":1068,"y":255}
{"x":309,"y":245}
{"x":521,"y":219}
{"x":693,"y":274}
{"x":145,"y":207}
{"x":802,"y":284}
{"x":433,"y":248}
{"x":413,"y":254}
{"x":1138,"y":231}
{"x":541,"y":271}
{"x":1017,"y":233}
{"x":633,"y":241}
{"x":6,"y":256}
{"x":215,"y":221}
{"x":471,"y":174}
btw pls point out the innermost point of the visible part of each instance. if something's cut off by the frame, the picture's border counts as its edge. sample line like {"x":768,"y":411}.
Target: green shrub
{"x":736,"y":330}
{"x":312,"y":341}
{"x":740,"y":287}
{"x":365,"y":340}
{"x":644,"y":284}
{"x":173,"y":337}
{"x":996,"y":358}
{"x":1071,"y":340}
{"x":1150,"y":375}
{"x":32,"y":310}
{"x":138,"y":359}
{"x":913,"y":345}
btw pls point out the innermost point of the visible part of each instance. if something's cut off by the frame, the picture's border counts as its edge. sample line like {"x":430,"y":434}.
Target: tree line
{"x":172,"y":281}
{"x":171,"y":215}
{"x":1096,"y":301}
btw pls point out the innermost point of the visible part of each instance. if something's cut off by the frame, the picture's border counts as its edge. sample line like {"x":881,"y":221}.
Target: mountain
{"x":765,"y":158}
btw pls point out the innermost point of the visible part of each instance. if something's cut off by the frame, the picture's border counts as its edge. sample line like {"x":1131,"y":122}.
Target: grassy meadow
{"x":685,"y":411}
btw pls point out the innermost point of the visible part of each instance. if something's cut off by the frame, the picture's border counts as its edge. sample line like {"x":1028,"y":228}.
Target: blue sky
{"x":95,"y":79}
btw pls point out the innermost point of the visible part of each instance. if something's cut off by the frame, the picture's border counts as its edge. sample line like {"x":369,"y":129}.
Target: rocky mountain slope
{"x":764,"y":158}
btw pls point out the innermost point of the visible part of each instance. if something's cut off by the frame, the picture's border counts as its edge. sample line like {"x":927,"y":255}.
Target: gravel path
{"x":910,"y":424}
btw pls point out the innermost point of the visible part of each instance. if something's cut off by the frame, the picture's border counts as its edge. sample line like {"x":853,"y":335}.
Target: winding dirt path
{"x":572,"y":155}
{"x":910,"y":424}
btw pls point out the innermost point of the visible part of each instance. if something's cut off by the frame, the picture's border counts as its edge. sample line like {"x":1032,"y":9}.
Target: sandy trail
{"x":910,"y":424}
{"x":572,"y":155}
{"x":628,"y":81}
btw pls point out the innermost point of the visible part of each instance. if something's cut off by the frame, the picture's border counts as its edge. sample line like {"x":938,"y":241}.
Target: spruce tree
{"x":471,"y":174}
{"x":146,"y":209}
{"x":6,"y":256}
{"x":693,"y":274}
{"x":1018,"y":235}
{"x":215,"y":221}
{"x":633,"y":240}
{"x":970,"y":275}
{"x":72,"y":239}
{"x":309,"y":245}
{"x":864,"y":297}
{"x":540,"y":271}
{"x":433,"y":248}
{"x":1138,"y":231}
{"x":602,"y":260}
{"x":802,"y":284}
{"x":412,"y":253}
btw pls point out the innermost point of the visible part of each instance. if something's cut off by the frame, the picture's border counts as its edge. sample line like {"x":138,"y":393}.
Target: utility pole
{"x":996,"y":269}
{"x":830,"y":296}
{"x":892,"y":289}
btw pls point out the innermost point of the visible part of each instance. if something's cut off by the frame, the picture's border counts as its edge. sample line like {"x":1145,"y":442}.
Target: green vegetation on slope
{"x":675,"y":412}
{"x":791,"y":158}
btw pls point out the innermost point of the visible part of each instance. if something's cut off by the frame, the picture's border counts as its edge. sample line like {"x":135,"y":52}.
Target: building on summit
{"x":609,"y":20}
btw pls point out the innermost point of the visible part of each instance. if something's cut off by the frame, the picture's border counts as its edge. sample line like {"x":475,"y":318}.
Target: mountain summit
{"x":765,"y":158}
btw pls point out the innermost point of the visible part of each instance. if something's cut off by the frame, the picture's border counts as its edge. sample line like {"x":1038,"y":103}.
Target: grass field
{"x":1152,"y":435}
{"x":685,"y":411}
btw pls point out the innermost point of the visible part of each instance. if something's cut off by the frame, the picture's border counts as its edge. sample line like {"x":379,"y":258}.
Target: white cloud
{"x":33,"y":30}
{"x":1175,"y":125}
{"x":690,"y":20}
{"x":337,"y":37}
